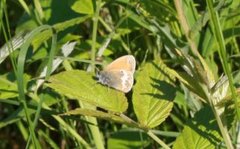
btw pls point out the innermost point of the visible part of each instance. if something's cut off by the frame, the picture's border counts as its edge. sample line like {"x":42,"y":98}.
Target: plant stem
{"x":223,"y":129}
{"x":130,"y":121}
{"x":149,"y":132}
{"x":94,"y":34}
{"x":159,"y":141}
{"x":62,"y":123}
{"x":222,"y":52}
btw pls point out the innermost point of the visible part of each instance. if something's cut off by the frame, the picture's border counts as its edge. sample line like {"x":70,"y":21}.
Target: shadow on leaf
{"x":205,"y":125}
{"x":168,"y":91}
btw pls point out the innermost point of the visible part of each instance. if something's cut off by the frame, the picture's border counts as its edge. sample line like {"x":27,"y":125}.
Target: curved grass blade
{"x":20,"y":81}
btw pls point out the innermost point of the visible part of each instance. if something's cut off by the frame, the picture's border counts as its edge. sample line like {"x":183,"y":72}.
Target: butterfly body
{"x":119,"y":73}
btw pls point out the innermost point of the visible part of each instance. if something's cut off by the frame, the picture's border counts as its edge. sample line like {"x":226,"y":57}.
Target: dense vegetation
{"x":186,"y":88}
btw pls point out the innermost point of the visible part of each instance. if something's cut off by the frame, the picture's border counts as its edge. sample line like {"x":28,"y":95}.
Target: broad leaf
{"x":153,"y":95}
{"x":200,"y":133}
{"x":81,"y":85}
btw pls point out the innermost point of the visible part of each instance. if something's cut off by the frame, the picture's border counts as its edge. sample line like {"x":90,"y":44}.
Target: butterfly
{"x":119,"y":73}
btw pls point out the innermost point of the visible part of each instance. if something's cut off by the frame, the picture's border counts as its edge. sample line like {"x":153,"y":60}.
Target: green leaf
{"x":128,"y":139}
{"x":153,"y":94}
{"x":95,"y":113}
{"x":199,"y":133}
{"x":81,"y":85}
{"x":8,"y":87}
{"x":83,"y":6}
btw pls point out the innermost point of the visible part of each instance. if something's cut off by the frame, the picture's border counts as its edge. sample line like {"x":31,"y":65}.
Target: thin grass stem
{"x":94,"y":34}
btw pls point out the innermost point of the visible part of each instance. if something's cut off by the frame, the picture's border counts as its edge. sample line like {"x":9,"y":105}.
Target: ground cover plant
{"x":186,"y":83}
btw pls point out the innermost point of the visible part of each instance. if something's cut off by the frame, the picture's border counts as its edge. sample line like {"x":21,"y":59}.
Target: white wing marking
{"x":126,"y":80}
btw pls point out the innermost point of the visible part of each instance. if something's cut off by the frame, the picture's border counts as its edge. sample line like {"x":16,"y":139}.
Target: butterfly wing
{"x":119,"y":79}
{"x":126,"y":63}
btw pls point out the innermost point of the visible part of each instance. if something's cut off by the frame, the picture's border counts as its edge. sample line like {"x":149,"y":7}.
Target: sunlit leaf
{"x":8,"y":87}
{"x":83,"y":6}
{"x":153,"y":94}
{"x":82,"y":86}
{"x":201,"y":132}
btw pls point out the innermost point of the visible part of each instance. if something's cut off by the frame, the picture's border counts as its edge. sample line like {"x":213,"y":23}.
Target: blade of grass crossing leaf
{"x":19,"y":76}
{"x":214,"y":18}
{"x":222,"y":52}
{"x":49,"y":68}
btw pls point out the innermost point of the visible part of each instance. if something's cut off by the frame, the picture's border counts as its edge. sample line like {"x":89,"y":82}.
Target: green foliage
{"x":83,"y":6}
{"x":186,"y":85}
{"x":199,"y":132}
{"x":8,"y":88}
{"x":82,"y":86}
{"x":153,"y":94}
